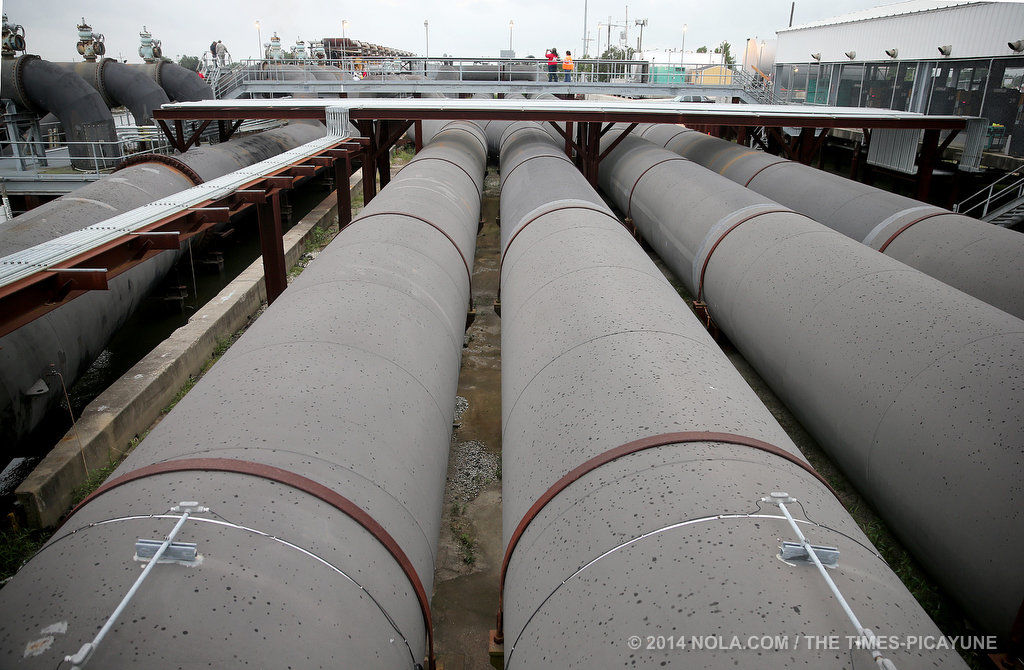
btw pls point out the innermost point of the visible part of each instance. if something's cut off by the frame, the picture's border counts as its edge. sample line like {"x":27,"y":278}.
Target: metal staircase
{"x":1001,"y":202}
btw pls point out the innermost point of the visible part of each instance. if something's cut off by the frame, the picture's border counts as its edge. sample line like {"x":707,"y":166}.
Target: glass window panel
{"x":904,"y":86}
{"x":850,"y":85}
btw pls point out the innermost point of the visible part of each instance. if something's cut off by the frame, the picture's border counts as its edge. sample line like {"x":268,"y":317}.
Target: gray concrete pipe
{"x":598,"y":351}
{"x":180,"y":84}
{"x":347,"y":382}
{"x":122,"y":86}
{"x":41,"y":86}
{"x":974,"y":256}
{"x":914,"y":388}
{"x":72,"y":336}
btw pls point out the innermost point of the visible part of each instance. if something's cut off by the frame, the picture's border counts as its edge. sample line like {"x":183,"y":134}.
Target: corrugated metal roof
{"x":884,"y":11}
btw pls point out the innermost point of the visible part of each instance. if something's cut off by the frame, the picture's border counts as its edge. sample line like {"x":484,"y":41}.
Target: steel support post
{"x":342,"y":174}
{"x":272,"y":245}
{"x":926,"y":163}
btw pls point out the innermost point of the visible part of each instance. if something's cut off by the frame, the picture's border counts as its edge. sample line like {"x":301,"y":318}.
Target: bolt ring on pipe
{"x":298,"y":482}
{"x":653,"y":441}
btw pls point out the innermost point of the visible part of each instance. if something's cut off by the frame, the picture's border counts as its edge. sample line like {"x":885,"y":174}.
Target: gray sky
{"x":458,"y":27}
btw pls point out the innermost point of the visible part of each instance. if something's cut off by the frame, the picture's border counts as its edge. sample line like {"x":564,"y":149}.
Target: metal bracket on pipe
{"x":796,"y":553}
{"x":160,"y":550}
{"x":337,"y":121}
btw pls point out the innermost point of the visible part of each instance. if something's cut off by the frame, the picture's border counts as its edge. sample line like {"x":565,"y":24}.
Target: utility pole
{"x":586,"y":40}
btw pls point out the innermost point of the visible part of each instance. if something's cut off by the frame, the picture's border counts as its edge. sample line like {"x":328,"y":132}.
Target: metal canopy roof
{"x":558,"y":110}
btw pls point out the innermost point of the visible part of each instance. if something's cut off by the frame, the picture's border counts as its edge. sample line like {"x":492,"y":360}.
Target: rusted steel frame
{"x":654,"y":441}
{"x":272,"y":245}
{"x":926,"y":162}
{"x":566,"y":135}
{"x":226,"y":130}
{"x":618,"y":116}
{"x":616,"y":141}
{"x":32,"y":297}
{"x":418,"y":132}
{"x":367,"y":128}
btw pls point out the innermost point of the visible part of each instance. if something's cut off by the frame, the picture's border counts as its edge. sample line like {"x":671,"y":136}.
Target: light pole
{"x":760,"y":51}
{"x":640,"y":42}
{"x":586,"y":42}
{"x":599,"y":52}
{"x":344,"y":24}
{"x":426,"y":50}
{"x":259,"y":41}
{"x":682,"y":48}
{"x":510,"y":25}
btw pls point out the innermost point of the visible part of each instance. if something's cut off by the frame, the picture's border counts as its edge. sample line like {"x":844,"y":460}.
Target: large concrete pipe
{"x":976,"y":257}
{"x":180,"y":84}
{"x":121,"y":85}
{"x":72,"y":336}
{"x":606,"y":542}
{"x":914,"y":388}
{"x":319,"y":442}
{"x":41,"y":86}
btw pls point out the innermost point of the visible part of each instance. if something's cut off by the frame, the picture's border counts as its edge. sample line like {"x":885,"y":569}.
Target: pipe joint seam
{"x":662,"y":440}
{"x":549,"y":208}
{"x":508,"y":174}
{"x":300,"y":483}
{"x":469,"y":269}
{"x":924,"y":212}
{"x":629,"y":201}
{"x":169,"y":161}
{"x":756,"y":172}
{"x":443,"y":160}
{"x":720,"y":231}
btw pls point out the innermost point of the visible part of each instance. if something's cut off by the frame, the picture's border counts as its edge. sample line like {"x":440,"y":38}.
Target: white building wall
{"x":976,"y":30}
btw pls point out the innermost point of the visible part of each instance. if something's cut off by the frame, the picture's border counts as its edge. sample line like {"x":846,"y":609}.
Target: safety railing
{"x":588,"y":70}
{"x":1008,"y":188}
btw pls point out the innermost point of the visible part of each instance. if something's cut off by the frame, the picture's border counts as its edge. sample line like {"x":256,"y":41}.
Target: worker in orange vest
{"x":567,"y":65}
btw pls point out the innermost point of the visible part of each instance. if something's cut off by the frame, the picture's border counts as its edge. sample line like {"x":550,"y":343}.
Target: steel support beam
{"x":272,"y":245}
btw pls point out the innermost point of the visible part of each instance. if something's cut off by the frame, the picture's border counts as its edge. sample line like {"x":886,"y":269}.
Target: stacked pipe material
{"x":41,"y":86}
{"x":599,"y":351}
{"x":339,"y":398}
{"x":974,"y":256}
{"x":913,"y":387}
{"x":180,"y":84}
{"x":121,"y":85}
{"x":72,"y":336}
{"x":495,"y":72}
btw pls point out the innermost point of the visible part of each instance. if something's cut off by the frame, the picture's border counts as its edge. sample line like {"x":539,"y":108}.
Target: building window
{"x":850,"y":84}
{"x":904,"y":86}
{"x":1004,"y":106}
{"x":958,"y":87}
{"x":879,"y":82}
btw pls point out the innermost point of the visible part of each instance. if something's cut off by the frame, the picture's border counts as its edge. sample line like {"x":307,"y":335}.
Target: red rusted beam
{"x":272,"y":246}
{"x":616,"y":141}
{"x":926,"y":163}
{"x":775,"y":119}
{"x":418,"y":132}
{"x":342,"y":176}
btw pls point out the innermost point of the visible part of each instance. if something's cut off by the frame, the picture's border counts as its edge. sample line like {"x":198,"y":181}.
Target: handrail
{"x":986,"y":202}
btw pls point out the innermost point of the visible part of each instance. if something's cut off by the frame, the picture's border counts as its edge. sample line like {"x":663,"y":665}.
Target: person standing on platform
{"x":222,"y":53}
{"x":552,"y":56}
{"x":567,"y":66}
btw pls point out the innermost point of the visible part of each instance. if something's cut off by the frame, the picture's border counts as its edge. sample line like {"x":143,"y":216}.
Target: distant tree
{"x":726,"y":50}
{"x":702,"y":50}
{"x":617,"y":53}
{"x":189,"y":62}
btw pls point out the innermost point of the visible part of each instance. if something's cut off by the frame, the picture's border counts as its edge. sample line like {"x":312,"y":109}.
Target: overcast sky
{"x":457,"y":27}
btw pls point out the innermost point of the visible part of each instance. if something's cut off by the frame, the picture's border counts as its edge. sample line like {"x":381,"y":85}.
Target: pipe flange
{"x":169,"y":161}
{"x":19,"y":84}
{"x":99,"y":79}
